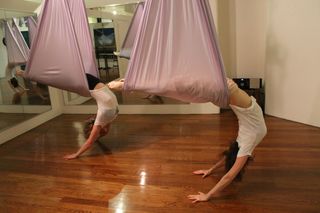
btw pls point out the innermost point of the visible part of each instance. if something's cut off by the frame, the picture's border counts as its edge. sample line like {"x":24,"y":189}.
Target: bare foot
{"x":116,"y":85}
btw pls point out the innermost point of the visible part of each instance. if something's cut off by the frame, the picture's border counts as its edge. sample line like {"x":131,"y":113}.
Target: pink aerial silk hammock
{"x":17,"y":48}
{"x":62,"y":51}
{"x":21,"y":41}
{"x":128,"y":42}
{"x":176,"y":54}
{"x":32,"y":28}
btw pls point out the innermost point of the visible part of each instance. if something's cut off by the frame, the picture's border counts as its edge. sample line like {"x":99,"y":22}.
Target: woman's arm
{"x":208,"y":172}
{"x":94,"y":135}
{"x":223,"y":183}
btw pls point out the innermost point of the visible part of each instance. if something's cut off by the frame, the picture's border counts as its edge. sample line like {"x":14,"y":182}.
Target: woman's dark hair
{"x":14,"y":82}
{"x":88,"y":124}
{"x":230,"y":158}
{"x":4,"y":42}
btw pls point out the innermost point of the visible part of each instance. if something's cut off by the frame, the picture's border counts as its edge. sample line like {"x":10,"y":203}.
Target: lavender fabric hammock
{"x":21,"y":41}
{"x":62,"y":51}
{"x":128,"y":42}
{"x":17,"y":48}
{"x":32,"y":28}
{"x":176,"y":54}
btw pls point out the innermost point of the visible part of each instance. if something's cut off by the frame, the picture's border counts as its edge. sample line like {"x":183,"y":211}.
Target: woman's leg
{"x":238,"y":97}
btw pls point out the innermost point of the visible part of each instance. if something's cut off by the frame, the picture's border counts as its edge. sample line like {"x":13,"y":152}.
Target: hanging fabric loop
{"x":176,"y":53}
{"x":128,"y":42}
{"x":62,"y":50}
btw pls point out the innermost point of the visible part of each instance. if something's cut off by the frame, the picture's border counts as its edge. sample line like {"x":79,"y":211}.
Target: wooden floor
{"x":28,"y":98}
{"x":146,"y":164}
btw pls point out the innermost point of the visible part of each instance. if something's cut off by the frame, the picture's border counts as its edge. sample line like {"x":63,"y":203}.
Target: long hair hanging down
{"x":88,"y":125}
{"x":230,"y":159}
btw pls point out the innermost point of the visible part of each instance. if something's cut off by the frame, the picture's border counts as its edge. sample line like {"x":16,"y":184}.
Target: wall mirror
{"x":20,"y":99}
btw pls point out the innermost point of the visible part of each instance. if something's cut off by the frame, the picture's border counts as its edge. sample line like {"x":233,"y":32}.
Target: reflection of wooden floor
{"x":145,"y":165}
{"x":11,"y":119}
{"x":30,"y":97}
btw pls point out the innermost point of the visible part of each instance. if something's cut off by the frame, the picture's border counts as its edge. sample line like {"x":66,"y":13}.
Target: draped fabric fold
{"x":17,"y":49}
{"x":128,"y":42}
{"x":61,"y":51}
{"x":21,"y":41}
{"x":82,"y":32}
{"x":32,"y":28}
{"x":176,"y":53}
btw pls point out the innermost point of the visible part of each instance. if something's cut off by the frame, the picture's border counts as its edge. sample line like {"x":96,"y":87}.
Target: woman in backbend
{"x":107,"y":112}
{"x":252,"y":129}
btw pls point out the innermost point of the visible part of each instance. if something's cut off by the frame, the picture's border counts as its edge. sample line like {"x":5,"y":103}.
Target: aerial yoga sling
{"x":62,"y":51}
{"x":32,"y":28}
{"x":128,"y":42}
{"x":176,"y":53}
{"x":17,"y":49}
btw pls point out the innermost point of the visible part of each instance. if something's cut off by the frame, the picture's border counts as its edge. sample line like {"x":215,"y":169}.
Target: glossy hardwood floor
{"x":145,"y":164}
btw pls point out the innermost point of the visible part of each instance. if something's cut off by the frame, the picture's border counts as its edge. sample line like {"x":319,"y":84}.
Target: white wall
{"x":214,"y":10}
{"x":293,"y":60}
{"x":121,"y":27}
{"x":242,"y":27}
{"x":226,"y":29}
{"x":250,"y":38}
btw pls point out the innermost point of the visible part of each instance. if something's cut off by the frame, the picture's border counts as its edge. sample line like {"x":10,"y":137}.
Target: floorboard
{"x":145,"y":164}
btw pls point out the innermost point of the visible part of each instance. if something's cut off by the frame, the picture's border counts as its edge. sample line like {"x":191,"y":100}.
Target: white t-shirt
{"x":107,"y":105}
{"x":252,"y":127}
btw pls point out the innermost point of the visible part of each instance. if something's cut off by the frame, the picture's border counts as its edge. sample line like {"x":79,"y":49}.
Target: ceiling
{"x":103,"y":8}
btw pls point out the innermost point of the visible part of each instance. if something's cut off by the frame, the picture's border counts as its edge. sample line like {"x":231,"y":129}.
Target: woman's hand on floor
{"x":203,"y":172}
{"x":201,"y":197}
{"x":70,"y":156}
